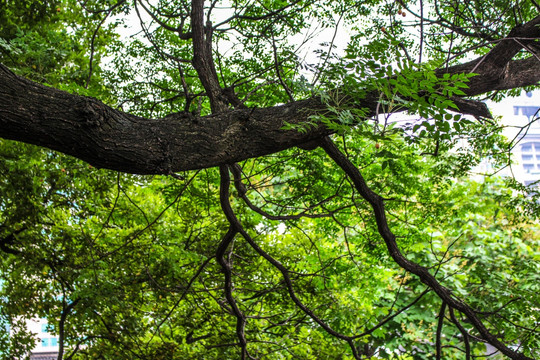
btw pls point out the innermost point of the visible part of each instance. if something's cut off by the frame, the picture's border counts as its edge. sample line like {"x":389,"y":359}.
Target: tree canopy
{"x":266,"y":179}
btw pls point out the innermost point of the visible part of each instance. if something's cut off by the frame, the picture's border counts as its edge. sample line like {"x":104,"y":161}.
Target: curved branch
{"x":179,"y":30}
{"x":438,"y":342}
{"x":257,"y":18}
{"x":180,"y":299}
{"x":108,"y":138}
{"x":390,"y":317}
{"x":389,"y":238}
{"x":235,"y":223}
{"x":225,"y":264}
{"x":92,"y":49}
{"x":463,"y":332}
{"x":242,"y":192}
{"x":203,"y":60}
{"x":66,"y":310}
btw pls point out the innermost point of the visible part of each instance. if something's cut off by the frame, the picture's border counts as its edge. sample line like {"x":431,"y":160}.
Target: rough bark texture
{"x":104,"y":137}
{"x":108,"y":138}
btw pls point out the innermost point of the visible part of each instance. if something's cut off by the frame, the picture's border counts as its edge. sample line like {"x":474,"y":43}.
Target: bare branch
{"x":463,"y":332}
{"x":225,"y":264}
{"x":233,"y":220}
{"x":438,"y":333}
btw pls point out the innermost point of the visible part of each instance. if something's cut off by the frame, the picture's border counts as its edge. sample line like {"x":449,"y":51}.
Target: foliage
{"x":126,"y":266}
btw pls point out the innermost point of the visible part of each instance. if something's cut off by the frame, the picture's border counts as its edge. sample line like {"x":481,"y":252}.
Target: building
{"x":521,"y":116}
{"x":47,"y":345}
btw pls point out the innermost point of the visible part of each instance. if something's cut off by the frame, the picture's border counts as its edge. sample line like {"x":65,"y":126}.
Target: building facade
{"x":47,"y":344}
{"x":520,"y":116}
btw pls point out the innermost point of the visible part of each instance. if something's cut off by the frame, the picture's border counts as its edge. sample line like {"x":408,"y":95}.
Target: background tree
{"x":283,"y":215}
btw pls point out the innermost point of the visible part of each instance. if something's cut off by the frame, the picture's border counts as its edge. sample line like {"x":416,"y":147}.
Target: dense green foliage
{"x":124,"y":266}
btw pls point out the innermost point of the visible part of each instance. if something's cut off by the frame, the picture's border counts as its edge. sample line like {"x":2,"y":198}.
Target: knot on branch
{"x":182,"y":116}
{"x":92,"y":113}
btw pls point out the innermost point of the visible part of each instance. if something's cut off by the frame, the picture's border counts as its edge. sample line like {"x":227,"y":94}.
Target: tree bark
{"x":104,"y":137}
{"x":108,"y":138}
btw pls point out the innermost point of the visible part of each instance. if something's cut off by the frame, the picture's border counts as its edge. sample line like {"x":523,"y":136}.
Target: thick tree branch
{"x":108,"y":138}
{"x":496,"y":70}
{"x":203,"y":60}
{"x":104,"y":137}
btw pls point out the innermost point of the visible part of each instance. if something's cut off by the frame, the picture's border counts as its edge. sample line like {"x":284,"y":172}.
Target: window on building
{"x":529,"y":111}
{"x":48,"y":342}
{"x":44,"y":328}
{"x":530,"y":156}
